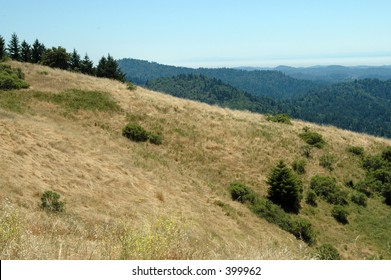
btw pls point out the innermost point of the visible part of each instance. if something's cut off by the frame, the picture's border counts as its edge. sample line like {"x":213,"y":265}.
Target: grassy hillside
{"x":127,"y":199}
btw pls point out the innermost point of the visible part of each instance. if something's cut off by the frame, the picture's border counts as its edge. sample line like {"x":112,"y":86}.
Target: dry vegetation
{"x":137,"y":200}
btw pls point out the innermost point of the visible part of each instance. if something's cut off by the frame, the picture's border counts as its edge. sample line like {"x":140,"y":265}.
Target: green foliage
{"x":386,"y":154}
{"x":74,"y":61}
{"x":155,"y":139}
{"x":10,"y":229}
{"x":241,"y":193}
{"x":327,"y":252}
{"x":340,"y":214}
{"x":2,"y":48}
{"x":108,"y":68}
{"x":311,"y":198}
{"x":56,"y":58}
{"x":312,"y":138}
{"x":279,"y":118}
{"x":326,"y":188}
{"x":37,"y":51}
{"x":25,"y":52}
{"x":298,"y":165}
{"x":356,"y":150}
{"x":306,"y":151}
{"x":11,"y":78}
{"x":87,"y":66}
{"x":14,"y":47}
{"x":130,"y":86}
{"x":359,"y":198}
{"x":327,"y":161}
{"x":285,"y":188}
{"x":135,"y":133}
{"x":50,"y":201}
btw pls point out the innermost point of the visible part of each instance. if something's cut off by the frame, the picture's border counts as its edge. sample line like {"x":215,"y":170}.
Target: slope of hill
{"x":136,"y":200}
{"x":259,"y":83}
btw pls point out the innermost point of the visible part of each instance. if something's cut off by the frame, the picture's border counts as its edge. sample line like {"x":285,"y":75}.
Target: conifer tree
{"x":2,"y":48}
{"x":14,"y":48}
{"x":109,"y":68}
{"x":25,"y":52}
{"x":285,"y":188}
{"x":75,"y":63}
{"x":87,"y":66}
{"x":37,"y":51}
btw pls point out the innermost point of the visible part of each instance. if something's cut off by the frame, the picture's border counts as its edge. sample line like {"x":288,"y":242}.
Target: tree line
{"x":58,"y":57}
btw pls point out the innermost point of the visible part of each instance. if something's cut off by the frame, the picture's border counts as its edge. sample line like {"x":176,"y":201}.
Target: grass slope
{"x":137,"y":200}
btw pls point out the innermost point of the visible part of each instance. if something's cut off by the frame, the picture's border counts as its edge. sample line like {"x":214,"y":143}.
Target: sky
{"x":209,"y":33}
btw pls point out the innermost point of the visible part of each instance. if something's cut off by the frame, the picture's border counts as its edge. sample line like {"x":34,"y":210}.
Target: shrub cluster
{"x":359,"y":198}
{"x":326,"y":188}
{"x":279,"y":118}
{"x":298,"y":165}
{"x":137,"y":133}
{"x":327,"y":161}
{"x":312,"y":138}
{"x":264,"y":208}
{"x":11,"y":78}
{"x":328,"y":252}
{"x":311,"y":198}
{"x":356,"y":150}
{"x":340,"y":214}
{"x":50,"y":201}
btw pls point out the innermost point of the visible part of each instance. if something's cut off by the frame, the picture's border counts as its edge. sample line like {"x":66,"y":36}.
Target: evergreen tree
{"x":14,"y":48}
{"x":37,"y":51}
{"x":285,"y":188}
{"x":75,"y":63}
{"x":2,"y":48}
{"x":56,"y":57}
{"x":109,"y":68}
{"x":87,"y":66}
{"x":25,"y":52}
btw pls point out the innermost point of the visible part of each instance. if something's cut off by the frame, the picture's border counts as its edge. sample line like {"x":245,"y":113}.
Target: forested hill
{"x":259,"y":83}
{"x":362,"y":105}
{"x":212,"y":91}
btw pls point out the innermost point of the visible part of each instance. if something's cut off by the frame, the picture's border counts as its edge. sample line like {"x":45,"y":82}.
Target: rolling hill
{"x":136,"y":200}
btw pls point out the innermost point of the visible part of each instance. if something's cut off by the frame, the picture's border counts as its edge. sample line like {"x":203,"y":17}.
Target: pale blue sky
{"x":210,"y":33}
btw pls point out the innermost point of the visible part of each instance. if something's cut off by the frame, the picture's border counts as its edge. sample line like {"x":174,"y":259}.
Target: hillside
{"x":258,"y":83}
{"x":137,"y":200}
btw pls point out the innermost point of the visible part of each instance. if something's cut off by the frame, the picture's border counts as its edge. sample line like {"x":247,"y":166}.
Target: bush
{"x":299,"y":166}
{"x":340,"y":214}
{"x":386,"y":192}
{"x":359,"y":198}
{"x":279,"y":118}
{"x":285,"y":188}
{"x":50,"y":201}
{"x":130,"y":86}
{"x":386,"y":154}
{"x":311,"y":198}
{"x":302,"y":229}
{"x":325,"y":187}
{"x":327,"y":161}
{"x":327,"y":252}
{"x":241,"y":193}
{"x":155,"y":138}
{"x":135,"y":133}
{"x":312,"y":138}
{"x":11,"y":78}
{"x":306,"y":151}
{"x":356,"y":150}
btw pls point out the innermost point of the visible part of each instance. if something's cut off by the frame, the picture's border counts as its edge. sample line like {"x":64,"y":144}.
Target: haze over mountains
{"x":357,"y":104}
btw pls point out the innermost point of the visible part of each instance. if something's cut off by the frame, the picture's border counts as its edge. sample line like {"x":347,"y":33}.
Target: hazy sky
{"x":210,"y":32}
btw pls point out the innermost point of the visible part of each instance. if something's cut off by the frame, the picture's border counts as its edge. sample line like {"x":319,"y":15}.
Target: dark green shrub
{"x":135,"y":133}
{"x":373,"y":162}
{"x":356,"y":150}
{"x":155,"y":138}
{"x":11,"y":78}
{"x":327,"y":161}
{"x":280,"y":118}
{"x":50,"y":201}
{"x":241,"y":193}
{"x":285,"y":188}
{"x":340,"y":214}
{"x":326,"y":188}
{"x":386,"y":154}
{"x":359,"y":198}
{"x":327,"y":252}
{"x":311,"y":198}
{"x":312,"y":138}
{"x":303,"y":230}
{"x":299,"y":166}
{"x":386,"y":192}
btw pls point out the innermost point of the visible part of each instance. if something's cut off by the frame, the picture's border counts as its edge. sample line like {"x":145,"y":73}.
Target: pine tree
{"x":25,"y":52}
{"x":75,"y":63}
{"x":37,"y":51}
{"x":109,"y":68}
{"x":2,"y":48}
{"x":14,"y":48}
{"x":87,"y":66}
{"x":285,"y":188}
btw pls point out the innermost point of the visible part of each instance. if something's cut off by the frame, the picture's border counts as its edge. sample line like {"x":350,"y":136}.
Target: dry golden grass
{"x":111,"y":184}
